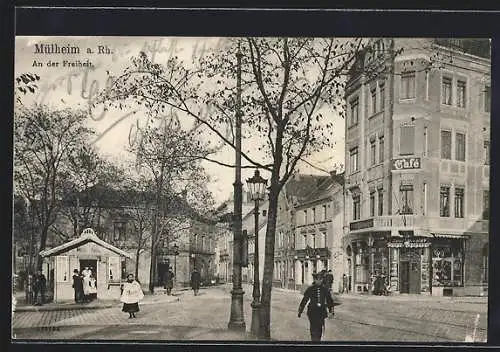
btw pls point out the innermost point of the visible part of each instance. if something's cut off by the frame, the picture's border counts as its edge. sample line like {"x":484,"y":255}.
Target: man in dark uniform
{"x":78,"y":286}
{"x":169,"y":281}
{"x":319,"y":300}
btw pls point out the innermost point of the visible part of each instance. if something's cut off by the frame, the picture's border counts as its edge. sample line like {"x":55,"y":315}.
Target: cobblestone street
{"x":205,"y":317}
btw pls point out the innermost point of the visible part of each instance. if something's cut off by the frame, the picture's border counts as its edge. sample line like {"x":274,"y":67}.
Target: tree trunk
{"x":267,"y":280}
{"x":43,"y":243}
{"x":152,"y":267}
{"x":137,"y":256}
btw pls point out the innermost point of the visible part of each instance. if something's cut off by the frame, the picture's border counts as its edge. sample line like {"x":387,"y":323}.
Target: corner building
{"x":417,"y":166}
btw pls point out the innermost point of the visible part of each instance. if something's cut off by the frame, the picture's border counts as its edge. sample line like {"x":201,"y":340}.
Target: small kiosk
{"x":104,"y":260}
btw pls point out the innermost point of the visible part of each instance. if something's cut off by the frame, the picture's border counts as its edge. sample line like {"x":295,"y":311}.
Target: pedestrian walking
{"x":195,"y":281}
{"x":169,"y":281}
{"x":78,"y":286}
{"x":345,"y":284}
{"x":131,"y":296}
{"x":319,"y":301}
{"x":329,"y":280}
{"x":39,"y":286}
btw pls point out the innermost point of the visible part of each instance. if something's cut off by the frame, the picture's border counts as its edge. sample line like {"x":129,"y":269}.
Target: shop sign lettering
{"x":406,"y":164}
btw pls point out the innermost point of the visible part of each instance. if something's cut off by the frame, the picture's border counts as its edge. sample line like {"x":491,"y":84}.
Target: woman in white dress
{"x":131,"y":296}
{"x":86,"y":285}
{"x":92,"y":288}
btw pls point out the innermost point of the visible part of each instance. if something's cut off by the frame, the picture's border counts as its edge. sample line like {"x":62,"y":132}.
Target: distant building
{"x":318,"y":209}
{"x":417,"y":165}
{"x":118,"y":219}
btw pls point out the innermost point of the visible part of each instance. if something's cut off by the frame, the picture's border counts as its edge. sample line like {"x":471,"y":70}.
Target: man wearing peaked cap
{"x":319,"y":301}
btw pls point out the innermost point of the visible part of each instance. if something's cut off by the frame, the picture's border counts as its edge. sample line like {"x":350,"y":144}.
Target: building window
{"x":372,"y":203}
{"x":447,"y":265}
{"x":408,"y":85}
{"x":407,"y":199}
{"x":444,"y":201}
{"x":373,"y":152}
{"x":446,"y":145}
{"x":374,"y":100}
{"x":459,"y":202}
{"x":356,"y":211}
{"x":486,"y":152}
{"x":446,"y":91}
{"x":354,"y":111}
{"x":313,"y":240}
{"x":324,"y":212}
{"x":353,"y":160}
{"x":313,"y":215}
{"x":407,"y":140}
{"x":323,"y":239}
{"x":305,"y":216}
{"x":381,"y":149}
{"x":461,"y":94}
{"x":305,"y":240}
{"x":486,"y":205}
{"x":487,"y":99}
{"x":460,"y":146}
{"x":119,"y":230}
{"x":382,"y":97}
{"x":380,"y":202}
{"x":426,"y":141}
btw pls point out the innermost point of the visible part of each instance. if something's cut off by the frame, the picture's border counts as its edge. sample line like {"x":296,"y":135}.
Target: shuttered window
{"x":407,"y":140}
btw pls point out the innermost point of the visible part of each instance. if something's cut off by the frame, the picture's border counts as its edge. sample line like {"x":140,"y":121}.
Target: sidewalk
{"x":395,"y":297}
{"x":157,"y":297}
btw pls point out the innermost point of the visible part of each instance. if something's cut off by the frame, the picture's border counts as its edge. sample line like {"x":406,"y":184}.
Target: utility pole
{"x":237,"y":321}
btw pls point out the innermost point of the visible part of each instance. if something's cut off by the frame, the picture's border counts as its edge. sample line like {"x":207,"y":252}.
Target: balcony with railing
{"x":409,"y":222}
{"x":388,"y":223}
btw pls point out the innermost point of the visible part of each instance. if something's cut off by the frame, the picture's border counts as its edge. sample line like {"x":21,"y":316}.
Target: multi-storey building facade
{"x":318,"y":229}
{"x":417,"y":174}
{"x":225,"y":237}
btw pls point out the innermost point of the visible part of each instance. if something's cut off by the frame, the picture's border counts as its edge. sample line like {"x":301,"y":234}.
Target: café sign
{"x":406,"y":164}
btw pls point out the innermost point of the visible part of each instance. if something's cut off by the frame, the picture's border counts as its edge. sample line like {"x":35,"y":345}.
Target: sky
{"x":64,"y":86}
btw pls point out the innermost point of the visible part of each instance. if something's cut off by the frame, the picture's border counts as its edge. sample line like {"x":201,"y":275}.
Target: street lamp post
{"x":257,"y":187}
{"x":176,"y":253}
{"x":236,"y":320}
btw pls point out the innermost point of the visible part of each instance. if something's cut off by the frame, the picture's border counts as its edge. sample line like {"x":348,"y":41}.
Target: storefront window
{"x":447,"y":266}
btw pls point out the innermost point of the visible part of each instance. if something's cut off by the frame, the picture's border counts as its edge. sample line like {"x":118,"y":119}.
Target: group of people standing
{"x":85,"y":285}
{"x":39,"y":287}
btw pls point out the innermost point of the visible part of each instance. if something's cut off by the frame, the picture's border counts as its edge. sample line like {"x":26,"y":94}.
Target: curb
{"x":60,"y":308}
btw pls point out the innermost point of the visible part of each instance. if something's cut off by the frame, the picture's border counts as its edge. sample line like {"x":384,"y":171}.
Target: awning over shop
{"x":450,"y":235}
{"x":414,"y":233}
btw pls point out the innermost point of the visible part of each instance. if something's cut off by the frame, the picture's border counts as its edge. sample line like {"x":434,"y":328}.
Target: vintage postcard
{"x":251,"y":188}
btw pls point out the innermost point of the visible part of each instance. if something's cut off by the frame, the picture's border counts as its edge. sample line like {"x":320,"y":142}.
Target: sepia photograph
{"x":285,"y":189}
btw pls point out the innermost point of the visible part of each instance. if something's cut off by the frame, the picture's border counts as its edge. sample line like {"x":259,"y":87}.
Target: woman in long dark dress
{"x":131,"y":296}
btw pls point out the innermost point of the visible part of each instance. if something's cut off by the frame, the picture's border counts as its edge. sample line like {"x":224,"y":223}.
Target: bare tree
{"x":169,"y":155}
{"x":44,"y":141}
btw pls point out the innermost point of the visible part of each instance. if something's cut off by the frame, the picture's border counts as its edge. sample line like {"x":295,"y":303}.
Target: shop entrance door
{"x":414,"y":277}
{"x":404,"y":277}
{"x":91,"y":264}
